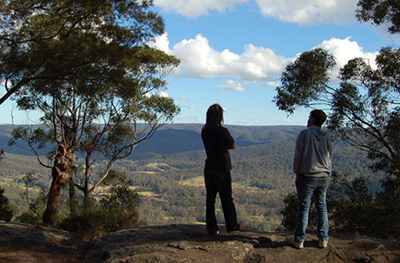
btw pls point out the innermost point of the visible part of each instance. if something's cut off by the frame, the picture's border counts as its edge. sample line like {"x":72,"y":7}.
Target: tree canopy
{"x":380,"y":12}
{"x":86,"y":66}
{"x":363,"y":102}
{"x":363,"y":106}
{"x":50,"y":41}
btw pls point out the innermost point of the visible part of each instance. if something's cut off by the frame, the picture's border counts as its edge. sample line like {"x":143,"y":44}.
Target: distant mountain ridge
{"x":178,"y":138}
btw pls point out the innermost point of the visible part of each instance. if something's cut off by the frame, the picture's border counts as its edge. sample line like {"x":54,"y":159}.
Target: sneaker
{"x":323,"y":243}
{"x":297,"y":244}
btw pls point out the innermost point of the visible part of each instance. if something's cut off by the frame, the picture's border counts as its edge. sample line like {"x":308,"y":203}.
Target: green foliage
{"x":116,"y":211}
{"x":380,"y":12}
{"x":123,"y":204}
{"x":29,"y":218}
{"x":352,"y":206}
{"x":304,"y":80}
{"x":86,"y":67}
{"x":352,"y":209}
{"x":289,"y":211}
{"x":37,"y":205}
{"x":88,"y":221}
{"x":122,"y":201}
{"x":38,"y":36}
{"x":364,"y":112}
{"x":6,"y":210}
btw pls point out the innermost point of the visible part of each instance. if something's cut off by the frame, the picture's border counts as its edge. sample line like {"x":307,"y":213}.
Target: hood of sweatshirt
{"x":318,"y":132}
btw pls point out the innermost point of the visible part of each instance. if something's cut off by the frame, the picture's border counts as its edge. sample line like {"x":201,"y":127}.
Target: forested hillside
{"x":176,"y":138}
{"x":171,"y":182}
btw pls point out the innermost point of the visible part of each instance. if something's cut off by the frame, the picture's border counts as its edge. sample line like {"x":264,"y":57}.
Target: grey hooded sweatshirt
{"x":313,"y":153}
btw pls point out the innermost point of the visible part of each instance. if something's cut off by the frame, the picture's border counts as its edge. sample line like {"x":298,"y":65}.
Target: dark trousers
{"x":219,"y":182}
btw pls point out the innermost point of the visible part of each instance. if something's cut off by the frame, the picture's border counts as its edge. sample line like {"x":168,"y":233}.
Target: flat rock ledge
{"x":183,"y":243}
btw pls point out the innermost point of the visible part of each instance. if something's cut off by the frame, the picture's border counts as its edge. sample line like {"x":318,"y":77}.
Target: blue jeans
{"x":306,"y":187}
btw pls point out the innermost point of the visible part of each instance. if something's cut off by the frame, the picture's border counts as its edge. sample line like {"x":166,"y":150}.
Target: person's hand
{"x":232,"y":146}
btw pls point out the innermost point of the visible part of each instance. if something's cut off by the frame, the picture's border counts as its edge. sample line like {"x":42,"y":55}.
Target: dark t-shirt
{"x":216,"y":141}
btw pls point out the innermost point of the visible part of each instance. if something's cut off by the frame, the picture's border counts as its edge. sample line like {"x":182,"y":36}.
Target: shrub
{"x":94,"y":219}
{"x":29,"y":218}
{"x":352,"y":209}
{"x":122,"y":204}
{"x":88,"y":221}
{"x":6,"y":210}
{"x":289,"y":211}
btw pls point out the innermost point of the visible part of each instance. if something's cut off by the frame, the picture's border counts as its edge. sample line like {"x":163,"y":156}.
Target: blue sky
{"x":233,"y":51}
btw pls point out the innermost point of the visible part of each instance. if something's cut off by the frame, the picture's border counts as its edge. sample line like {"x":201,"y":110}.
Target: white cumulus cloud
{"x":295,"y":11}
{"x":200,"y":60}
{"x":160,"y":42}
{"x":163,"y":94}
{"x":256,"y":66}
{"x":232,"y":85}
{"x":195,"y":8}
{"x":344,"y":50}
{"x":309,"y":11}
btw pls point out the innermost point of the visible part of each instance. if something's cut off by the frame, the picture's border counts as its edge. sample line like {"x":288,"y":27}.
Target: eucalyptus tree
{"x":94,"y":79}
{"x":364,"y":106}
{"x":365,"y":103}
{"x":380,"y":12}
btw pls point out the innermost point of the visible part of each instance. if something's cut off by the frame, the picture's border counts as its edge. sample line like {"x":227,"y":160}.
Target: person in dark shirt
{"x":217,"y":141}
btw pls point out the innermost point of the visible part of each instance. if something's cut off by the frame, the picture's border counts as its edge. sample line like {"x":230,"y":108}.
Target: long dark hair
{"x":214,"y":116}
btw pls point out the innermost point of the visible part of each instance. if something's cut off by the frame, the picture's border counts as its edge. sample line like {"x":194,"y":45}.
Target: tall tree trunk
{"x":63,"y":167}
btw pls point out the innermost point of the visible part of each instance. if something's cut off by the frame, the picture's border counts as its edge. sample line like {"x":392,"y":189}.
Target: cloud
{"x":344,"y":50}
{"x":246,"y":122}
{"x":241,"y":85}
{"x":196,"y":8}
{"x":190,"y":107}
{"x":256,"y":66}
{"x":183,"y":98}
{"x":163,"y":94}
{"x":294,"y":11}
{"x":160,"y":42}
{"x":309,"y":11}
{"x":200,"y":60}
{"x":232,"y":85}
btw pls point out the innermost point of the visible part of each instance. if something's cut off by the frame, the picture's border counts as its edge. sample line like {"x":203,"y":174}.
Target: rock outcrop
{"x":183,"y":243}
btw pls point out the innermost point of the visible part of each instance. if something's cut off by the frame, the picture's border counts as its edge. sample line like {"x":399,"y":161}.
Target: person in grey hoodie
{"x":312,"y":166}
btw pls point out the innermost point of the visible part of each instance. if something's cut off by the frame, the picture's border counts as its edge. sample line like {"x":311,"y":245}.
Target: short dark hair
{"x":214,"y":116}
{"x":319,"y":117}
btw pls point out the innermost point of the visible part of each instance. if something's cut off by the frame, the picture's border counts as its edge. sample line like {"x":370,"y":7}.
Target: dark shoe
{"x":216,"y":233}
